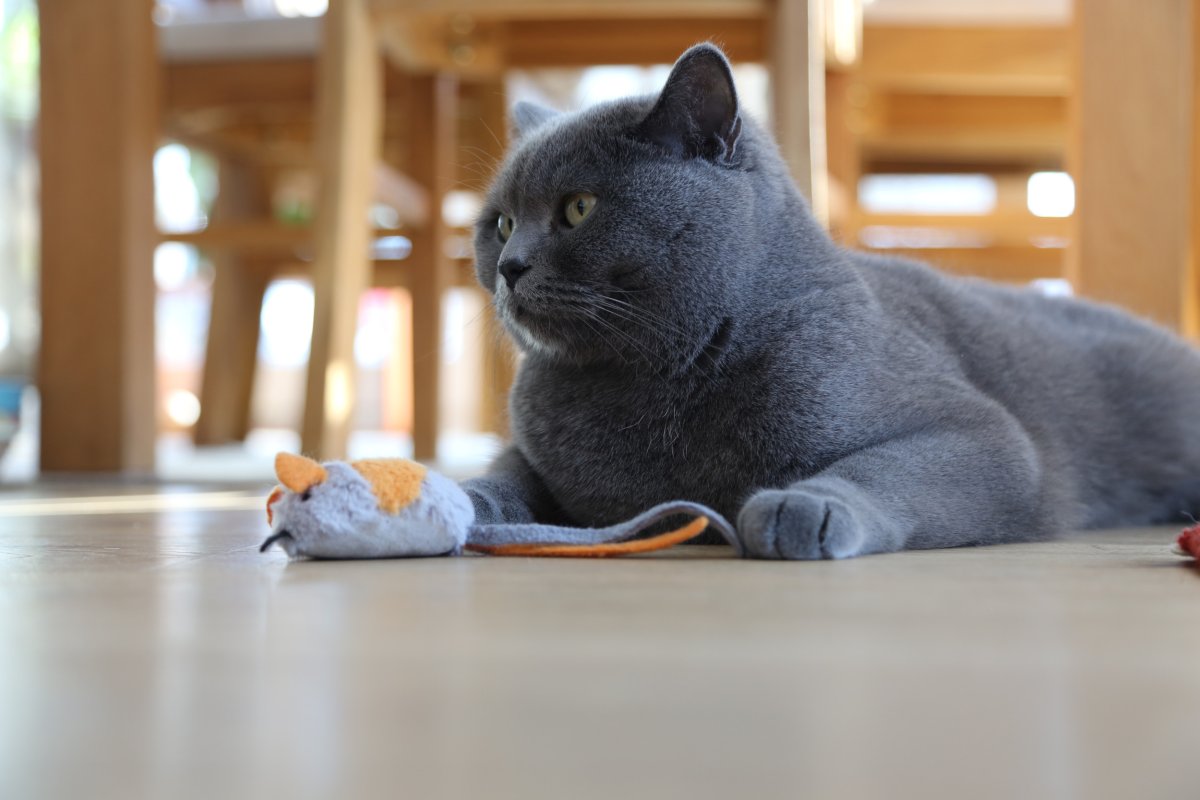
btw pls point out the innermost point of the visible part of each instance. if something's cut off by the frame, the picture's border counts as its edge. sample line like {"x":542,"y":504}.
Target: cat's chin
{"x":533,"y":330}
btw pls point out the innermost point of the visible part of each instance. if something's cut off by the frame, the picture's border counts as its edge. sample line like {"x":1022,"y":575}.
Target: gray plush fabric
{"x":698,"y":336}
{"x":530,"y":533}
{"x":341,"y":518}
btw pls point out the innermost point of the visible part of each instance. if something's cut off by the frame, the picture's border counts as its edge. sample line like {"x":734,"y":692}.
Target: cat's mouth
{"x":530,"y":323}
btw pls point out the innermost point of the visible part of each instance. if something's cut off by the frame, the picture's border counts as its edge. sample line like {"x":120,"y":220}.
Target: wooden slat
{"x":909,"y":126}
{"x":1014,"y":264}
{"x":1133,"y":144}
{"x":577,"y":9}
{"x":1191,"y":311}
{"x":431,"y":163}
{"x":231,"y":354}
{"x":999,"y":60}
{"x":842,"y":129}
{"x":245,"y":235}
{"x":499,"y":355}
{"x":212,"y":84}
{"x":798,"y":95}
{"x":1000,"y":228}
{"x":97,"y":135}
{"x":348,"y":126}
{"x":248,"y":83}
{"x":549,"y":43}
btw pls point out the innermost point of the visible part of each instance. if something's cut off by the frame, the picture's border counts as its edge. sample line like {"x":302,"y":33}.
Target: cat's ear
{"x":697,"y":113}
{"x":527,"y":117}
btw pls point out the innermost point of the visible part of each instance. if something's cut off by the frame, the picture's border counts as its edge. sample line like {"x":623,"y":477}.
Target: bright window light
{"x":301,"y":8}
{"x":609,"y":83}
{"x":927,"y":194}
{"x":183,"y":408}
{"x":887,"y":237}
{"x":460,"y":208}
{"x":287,"y":316}
{"x":174,"y":265}
{"x":176,"y":199}
{"x":1051,"y":194}
{"x":1053,"y":287}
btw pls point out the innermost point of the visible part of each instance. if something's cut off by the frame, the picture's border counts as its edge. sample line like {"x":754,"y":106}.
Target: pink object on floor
{"x":1189,"y":541}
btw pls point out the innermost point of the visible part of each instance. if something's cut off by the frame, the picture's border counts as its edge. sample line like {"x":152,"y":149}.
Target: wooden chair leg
{"x":499,"y":355}
{"x":98,"y":132}
{"x":432,"y":143}
{"x":1133,"y":242}
{"x":231,"y":357}
{"x":797,"y":68}
{"x":239,"y":285}
{"x":499,"y":369}
{"x":348,"y":132}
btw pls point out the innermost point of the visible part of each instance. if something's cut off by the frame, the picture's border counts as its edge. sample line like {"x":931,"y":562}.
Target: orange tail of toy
{"x":608,"y":550}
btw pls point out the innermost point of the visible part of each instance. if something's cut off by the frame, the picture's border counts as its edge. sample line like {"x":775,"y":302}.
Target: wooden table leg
{"x":499,"y":355}
{"x":432,"y":122}
{"x":1134,"y":141}
{"x":348,"y":132}
{"x":98,"y":132}
{"x":797,"y":68}
{"x":239,"y":285}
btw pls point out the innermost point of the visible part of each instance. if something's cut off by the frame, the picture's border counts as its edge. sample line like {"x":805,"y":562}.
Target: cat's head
{"x":618,"y":233}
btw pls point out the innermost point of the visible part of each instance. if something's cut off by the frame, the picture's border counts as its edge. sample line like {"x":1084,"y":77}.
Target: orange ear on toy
{"x":298,"y":473}
{"x":608,"y":550}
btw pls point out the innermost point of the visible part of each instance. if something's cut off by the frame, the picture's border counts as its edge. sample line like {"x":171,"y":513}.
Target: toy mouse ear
{"x":272,"y":499}
{"x":298,"y":473}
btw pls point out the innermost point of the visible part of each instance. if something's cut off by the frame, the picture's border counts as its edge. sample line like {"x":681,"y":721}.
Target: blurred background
{"x":229,"y":227}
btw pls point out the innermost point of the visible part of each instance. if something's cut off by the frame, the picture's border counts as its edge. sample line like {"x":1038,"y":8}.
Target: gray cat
{"x":690,"y":332}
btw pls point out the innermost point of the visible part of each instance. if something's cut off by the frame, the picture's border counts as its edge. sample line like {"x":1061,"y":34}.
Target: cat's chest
{"x":609,"y":451}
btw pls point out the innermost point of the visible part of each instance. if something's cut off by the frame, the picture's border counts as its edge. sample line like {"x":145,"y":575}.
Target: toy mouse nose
{"x":512,"y":269}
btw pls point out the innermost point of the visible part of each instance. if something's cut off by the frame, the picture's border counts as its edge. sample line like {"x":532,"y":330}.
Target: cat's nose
{"x":512,"y":269}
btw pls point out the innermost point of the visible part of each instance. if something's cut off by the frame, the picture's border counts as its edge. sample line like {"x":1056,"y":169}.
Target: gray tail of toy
{"x":530,"y":533}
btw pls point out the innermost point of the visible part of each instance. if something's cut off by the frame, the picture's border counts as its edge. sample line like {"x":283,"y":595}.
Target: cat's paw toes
{"x":797,"y":524}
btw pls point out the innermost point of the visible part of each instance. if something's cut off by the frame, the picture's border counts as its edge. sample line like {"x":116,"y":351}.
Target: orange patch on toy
{"x":298,"y":473}
{"x":396,"y":482}
{"x":276,"y":493}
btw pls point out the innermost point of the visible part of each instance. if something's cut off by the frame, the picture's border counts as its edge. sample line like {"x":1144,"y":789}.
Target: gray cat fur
{"x":698,"y":336}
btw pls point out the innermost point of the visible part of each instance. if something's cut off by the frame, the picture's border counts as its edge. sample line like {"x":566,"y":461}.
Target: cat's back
{"x":1110,"y":398}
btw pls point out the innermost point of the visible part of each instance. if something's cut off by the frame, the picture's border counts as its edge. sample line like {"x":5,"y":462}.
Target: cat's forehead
{"x":580,"y":146}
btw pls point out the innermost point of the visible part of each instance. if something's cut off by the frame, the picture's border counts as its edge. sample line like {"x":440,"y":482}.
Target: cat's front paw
{"x":798,"y":524}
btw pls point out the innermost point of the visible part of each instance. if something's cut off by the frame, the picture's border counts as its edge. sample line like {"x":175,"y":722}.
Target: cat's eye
{"x":578,"y":206}
{"x":504,"y":226}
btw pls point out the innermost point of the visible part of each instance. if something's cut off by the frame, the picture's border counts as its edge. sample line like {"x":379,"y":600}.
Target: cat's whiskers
{"x":634,"y":314}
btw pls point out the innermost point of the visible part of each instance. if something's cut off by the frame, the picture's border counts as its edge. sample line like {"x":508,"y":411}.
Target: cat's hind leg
{"x":974,"y":480}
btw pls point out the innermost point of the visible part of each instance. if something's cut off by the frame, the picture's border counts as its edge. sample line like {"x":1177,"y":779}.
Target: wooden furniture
{"x":255,"y":115}
{"x":948,"y":99}
{"x":1136,"y":157}
{"x":97,"y":135}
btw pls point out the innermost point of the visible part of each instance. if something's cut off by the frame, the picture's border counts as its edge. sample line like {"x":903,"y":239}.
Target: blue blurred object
{"x":10,"y":410}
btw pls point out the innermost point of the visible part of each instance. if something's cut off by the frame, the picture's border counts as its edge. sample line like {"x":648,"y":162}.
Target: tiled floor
{"x":148,"y":650}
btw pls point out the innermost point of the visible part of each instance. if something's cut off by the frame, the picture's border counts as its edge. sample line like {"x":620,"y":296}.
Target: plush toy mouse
{"x":384,"y":508}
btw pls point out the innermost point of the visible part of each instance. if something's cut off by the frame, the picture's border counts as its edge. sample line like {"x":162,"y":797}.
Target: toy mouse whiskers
{"x":388,"y":508}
